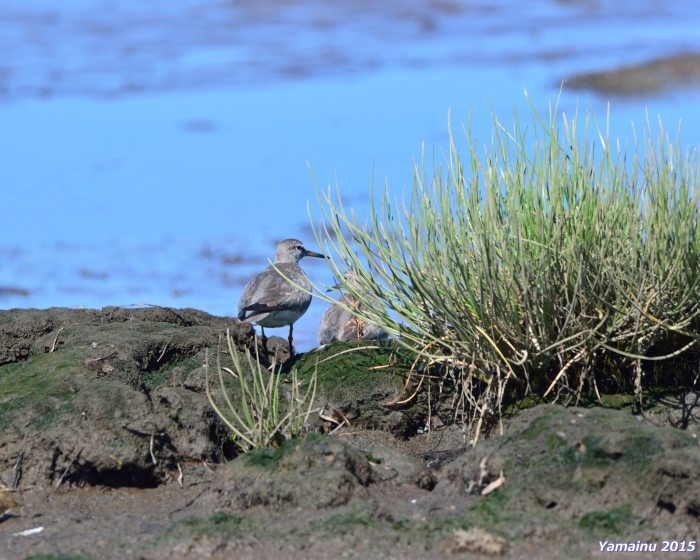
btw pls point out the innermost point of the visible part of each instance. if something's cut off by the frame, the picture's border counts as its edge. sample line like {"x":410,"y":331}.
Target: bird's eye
{"x":300,"y":247}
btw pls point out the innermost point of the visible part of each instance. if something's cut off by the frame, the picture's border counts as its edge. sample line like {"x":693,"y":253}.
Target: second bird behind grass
{"x":339,"y":324}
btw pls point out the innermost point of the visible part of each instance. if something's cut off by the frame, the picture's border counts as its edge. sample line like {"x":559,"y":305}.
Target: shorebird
{"x":271,"y":301}
{"x":339,"y":324}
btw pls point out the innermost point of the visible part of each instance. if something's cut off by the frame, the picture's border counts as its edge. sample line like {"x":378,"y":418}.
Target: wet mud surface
{"x":111,"y":450}
{"x":655,"y":77}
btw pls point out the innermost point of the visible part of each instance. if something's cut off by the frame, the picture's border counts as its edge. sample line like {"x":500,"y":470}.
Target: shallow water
{"x":152,"y":153}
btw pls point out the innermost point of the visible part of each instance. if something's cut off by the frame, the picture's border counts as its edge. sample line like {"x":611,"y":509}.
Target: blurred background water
{"x":156,"y":152}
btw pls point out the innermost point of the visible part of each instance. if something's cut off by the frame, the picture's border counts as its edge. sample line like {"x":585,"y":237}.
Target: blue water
{"x":167,"y":177}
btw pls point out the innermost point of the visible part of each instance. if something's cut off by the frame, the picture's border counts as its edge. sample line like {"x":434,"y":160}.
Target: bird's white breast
{"x":283,"y":318}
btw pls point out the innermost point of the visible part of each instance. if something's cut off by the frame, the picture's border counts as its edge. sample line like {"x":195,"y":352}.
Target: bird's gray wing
{"x":370,"y":331}
{"x":266,"y":292}
{"x":328,"y":328}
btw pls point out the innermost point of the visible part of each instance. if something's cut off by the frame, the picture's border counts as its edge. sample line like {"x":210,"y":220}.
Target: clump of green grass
{"x":262,"y":418}
{"x":549,"y":264}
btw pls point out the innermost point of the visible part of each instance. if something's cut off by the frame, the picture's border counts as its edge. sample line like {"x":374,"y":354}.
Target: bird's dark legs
{"x":264,"y":341}
{"x":291,"y":352}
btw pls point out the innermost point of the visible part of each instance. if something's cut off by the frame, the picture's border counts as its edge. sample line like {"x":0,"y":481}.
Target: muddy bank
{"x":567,"y":486}
{"x":117,"y":397}
{"x":111,"y":449}
{"x":83,"y":394}
{"x":654,"y":77}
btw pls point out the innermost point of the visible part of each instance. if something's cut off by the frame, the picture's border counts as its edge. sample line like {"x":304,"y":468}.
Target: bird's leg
{"x":264,"y":341}
{"x":358,"y":325}
{"x":291,"y":352}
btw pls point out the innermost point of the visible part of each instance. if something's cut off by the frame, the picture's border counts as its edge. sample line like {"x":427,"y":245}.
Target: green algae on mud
{"x":217,"y":525}
{"x":315,"y":472}
{"x":365,"y":378}
{"x":677,"y":406}
{"x":269,"y":458}
{"x":221,"y":525}
{"x":104,"y":393}
{"x":55,"y":557}
{"x":310,"y":452}
{"x":152,"y":380}
{"x":356,"y":366}
{"x":583,"y":470}
{"x":604,"y":523}
{"x":343,"y":523}
{"x":35,"y":392}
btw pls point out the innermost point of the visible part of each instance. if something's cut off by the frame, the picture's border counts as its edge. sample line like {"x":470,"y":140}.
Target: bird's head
{"x":292,"y":251}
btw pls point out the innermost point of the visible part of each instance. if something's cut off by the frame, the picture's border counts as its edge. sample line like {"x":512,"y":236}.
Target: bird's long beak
{"x":336,"y":287}
{"x":314,"y":254}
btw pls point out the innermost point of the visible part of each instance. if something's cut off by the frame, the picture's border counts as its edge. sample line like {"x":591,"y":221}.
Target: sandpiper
{"x":339,"y":324}
{"x":271,"y":301}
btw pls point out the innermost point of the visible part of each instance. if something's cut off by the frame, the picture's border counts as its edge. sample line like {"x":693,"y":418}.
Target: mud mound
{"x":21,"y":328}
{"x":596,"y":471}
{"x":117,"y":397}
{"x":557,"y":485}
{"x":363,"y":379}
{"x":85,"y":395}
{"x":317,"y":472}
{"x":569,"y":480}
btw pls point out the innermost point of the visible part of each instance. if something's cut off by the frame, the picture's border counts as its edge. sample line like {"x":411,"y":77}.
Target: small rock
{"x":474,"y":540}
{"x":6,"y":502}
{"x":398,"y":468}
